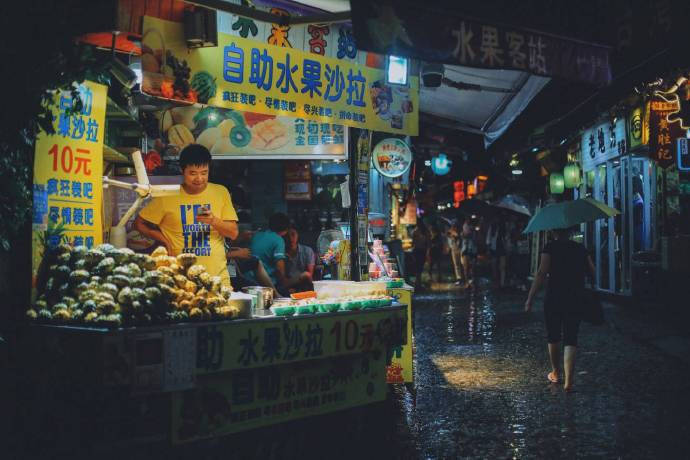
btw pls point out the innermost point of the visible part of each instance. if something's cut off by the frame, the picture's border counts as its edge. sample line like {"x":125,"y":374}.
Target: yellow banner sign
{"x":401,"y":368}
{"x":68,"y":172}
{"x":252,"y":344}
{"x":247,"y":75}
{"x":241,"y":400}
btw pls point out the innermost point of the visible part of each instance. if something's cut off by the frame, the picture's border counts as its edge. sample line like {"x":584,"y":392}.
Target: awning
{"x":499,"y":98}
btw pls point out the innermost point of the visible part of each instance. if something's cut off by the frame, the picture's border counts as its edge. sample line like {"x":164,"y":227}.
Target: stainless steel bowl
{"x":264,"y":296}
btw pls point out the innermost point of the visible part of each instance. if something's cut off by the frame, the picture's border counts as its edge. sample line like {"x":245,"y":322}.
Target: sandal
{"x":551,"y":377}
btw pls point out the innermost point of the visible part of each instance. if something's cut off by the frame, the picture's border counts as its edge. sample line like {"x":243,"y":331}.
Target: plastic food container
{"x":283,"y":310}
{"x":329,"y":307}
{"x":305,"y":309}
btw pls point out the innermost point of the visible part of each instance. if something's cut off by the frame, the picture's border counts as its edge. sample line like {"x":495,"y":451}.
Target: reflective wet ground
{"x":481,"y":389}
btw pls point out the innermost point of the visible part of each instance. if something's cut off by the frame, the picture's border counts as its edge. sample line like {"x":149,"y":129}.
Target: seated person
{"x":269,"y":247}
{"x":300,"y":264}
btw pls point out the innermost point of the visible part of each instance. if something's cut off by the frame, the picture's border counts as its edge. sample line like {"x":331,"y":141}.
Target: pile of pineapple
{"x":110,"y":287}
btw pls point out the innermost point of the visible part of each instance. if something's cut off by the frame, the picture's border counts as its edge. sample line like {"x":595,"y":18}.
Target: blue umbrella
{"x":569,"y":213}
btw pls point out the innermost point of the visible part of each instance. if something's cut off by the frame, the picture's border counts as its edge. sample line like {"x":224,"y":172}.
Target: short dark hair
{"x":278,"y":222}
{"x":194,"y":155}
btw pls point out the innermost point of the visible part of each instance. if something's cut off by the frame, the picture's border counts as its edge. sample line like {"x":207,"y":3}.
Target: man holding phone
{"x":196,"y":221}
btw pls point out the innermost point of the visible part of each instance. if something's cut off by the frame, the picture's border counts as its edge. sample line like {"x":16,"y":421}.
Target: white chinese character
{"x":515,"y":43}
{"x":490,"y":49}
{"x":464,"y":36}
{"x":537,"y":60}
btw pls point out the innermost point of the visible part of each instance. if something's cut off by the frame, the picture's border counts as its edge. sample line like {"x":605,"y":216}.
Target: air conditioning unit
{"x":201,"y":28}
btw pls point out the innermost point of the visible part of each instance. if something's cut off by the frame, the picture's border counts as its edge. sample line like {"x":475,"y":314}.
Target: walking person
{"x":435,"y":253}
{"x":420,"y":242}
{"x":496,"y":241}
{"x":566,"y":263}
{"x":468,"y":251}
{"x":455,"y":244}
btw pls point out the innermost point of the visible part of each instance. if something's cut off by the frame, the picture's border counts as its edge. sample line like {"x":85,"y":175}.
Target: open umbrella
{"x":569,"y":213}
{"x":512,"y":203}
{"x":474,"y":206}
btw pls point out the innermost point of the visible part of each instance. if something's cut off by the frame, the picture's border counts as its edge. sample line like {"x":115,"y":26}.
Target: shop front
{"x":156,"y":328}
{"x":617,"y":171}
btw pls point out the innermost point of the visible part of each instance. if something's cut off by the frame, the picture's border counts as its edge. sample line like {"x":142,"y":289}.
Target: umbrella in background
{"x":513,"y":203}
{"x":474,"y":206}
{"x":569,"y":213}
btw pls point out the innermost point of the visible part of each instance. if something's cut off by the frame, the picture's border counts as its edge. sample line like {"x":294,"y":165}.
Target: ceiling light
{"x":517,"y":172}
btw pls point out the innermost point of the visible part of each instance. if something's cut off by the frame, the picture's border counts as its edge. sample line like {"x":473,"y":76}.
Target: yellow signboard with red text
{"x":246,"y":75}
{"x":68,"y":172}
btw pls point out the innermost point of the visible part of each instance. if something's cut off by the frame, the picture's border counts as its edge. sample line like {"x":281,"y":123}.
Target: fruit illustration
{"x":225,"y":126}
{"x":223,"y":146}
{"x":209,"y":137}
{"x":185,"y":116}
{"x":180,"y":135}
{"x":269,"y":134}
{"x":167,"y":90}
{"x":240,"y":136}
{"x":205,"y":86}
{"x":166,"y":121}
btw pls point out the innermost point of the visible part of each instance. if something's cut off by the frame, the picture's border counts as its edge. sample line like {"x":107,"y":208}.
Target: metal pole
{"x":354,"y":237}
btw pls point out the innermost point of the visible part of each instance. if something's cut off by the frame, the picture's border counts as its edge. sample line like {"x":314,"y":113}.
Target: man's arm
{"x":152,"y":231}
{"x":280,"y":273}
{"x":227,"y":228}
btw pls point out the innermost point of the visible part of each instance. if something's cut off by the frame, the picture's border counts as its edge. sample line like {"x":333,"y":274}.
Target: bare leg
{"x":555,"y":358}
{"x":569,"y":359}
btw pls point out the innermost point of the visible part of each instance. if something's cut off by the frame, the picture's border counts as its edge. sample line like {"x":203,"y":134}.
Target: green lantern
{"x":556,"y":183}
{"x":571,"y":175}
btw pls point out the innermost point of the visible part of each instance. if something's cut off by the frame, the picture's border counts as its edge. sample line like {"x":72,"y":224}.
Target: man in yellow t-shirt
{"x":198,"y":219}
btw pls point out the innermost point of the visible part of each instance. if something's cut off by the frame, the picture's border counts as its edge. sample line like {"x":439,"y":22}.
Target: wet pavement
{"x":481,"y":388}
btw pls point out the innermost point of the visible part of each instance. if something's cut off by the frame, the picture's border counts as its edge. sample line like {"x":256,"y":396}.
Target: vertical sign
{"x":663,"y":132}
{"x":401,"y":368}
{"x":68,"y":172}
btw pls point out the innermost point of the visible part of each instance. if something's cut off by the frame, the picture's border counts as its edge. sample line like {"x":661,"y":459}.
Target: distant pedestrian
{"x":455,"y":245}
{"x":566,"y":263}
{"x":420,"y":243}
{"x":468,"y":251}
{"x":497,"y":240}
{"x":435,"y":252}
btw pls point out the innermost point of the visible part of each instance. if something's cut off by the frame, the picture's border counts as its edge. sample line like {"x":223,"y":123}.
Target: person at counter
{"x":269,"y":247}
{"x":196,"y":221}
{"x":300,"y":263}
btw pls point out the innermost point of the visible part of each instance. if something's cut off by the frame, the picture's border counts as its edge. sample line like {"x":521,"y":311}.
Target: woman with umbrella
{"x":565,"y":262}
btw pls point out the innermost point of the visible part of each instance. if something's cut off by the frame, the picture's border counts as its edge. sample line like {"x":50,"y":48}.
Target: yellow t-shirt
{"x":176,"y":217}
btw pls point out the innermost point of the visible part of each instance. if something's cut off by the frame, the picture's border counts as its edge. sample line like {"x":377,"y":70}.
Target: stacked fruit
{"x":110,"y":287}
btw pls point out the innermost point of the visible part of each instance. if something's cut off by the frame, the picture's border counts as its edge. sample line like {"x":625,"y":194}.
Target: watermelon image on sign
{"x":205,"y":86}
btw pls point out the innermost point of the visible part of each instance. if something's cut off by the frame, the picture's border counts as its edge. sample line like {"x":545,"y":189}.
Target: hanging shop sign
{"x":232,"y":402}
{"x":635,"y":127}
{"x":243,"y":74}
{"x":602,"y":142}
{"x":330,"y":40}
{"x":297,"y":181}
{"x":662,"y":132}
{"x":440,"y":164}
{"x":234,"y":134}
{"x":414,"y":30}
{"x":68,"y":171}
{"x":683,"y":154}
{"x":392,"y":157}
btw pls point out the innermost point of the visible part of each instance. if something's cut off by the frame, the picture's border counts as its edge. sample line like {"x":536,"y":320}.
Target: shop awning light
{"x":517,"y":172}
{"x":535,"y":149}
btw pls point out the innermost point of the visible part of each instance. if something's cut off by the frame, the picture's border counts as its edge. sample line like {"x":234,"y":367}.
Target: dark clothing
{"x":568,"y":268}
{"x":566,"y":282}
{"x":436,"y":246}
{"x":562,"y":323}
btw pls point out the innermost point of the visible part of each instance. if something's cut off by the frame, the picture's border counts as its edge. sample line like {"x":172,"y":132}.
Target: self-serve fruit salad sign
{"x":68,"y":172}
{"x":251,"y":76}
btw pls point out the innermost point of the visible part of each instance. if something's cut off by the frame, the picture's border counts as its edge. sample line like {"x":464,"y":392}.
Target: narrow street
{"x":481,"y":389}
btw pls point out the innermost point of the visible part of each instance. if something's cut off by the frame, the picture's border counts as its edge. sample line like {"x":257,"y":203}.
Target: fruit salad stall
{"x":151,"y":347}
